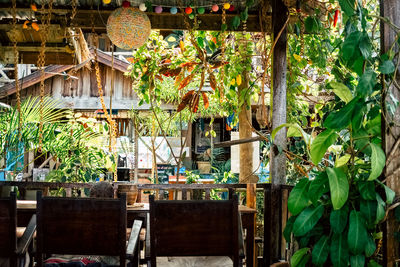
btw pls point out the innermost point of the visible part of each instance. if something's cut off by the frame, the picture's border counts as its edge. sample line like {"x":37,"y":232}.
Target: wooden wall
{"x":82,"y":93}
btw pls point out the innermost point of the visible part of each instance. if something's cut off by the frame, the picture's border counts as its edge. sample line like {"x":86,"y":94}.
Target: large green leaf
{"x":374,"y":125}
{"x":358,"y":116}
{"x":339,"y":187}
{"x":320,"y":251}
{"x":338,"y":219}
{"x":288,"y":228}
{"x":380,"y":209}
{"x":367,"y":190}
{"x":368,"y":210}
{"x":311,"y":24}
{"x":342,"y":160}
{"x":378,"y":161}
{"x":321,"y":144}
{"x":342,"y":91}
{"x":339,"y":251}
{"x":357,"y":236}
{"x":298,"y":257}
{"x":387,"y":67}
{"x":295,"y":127}
{"x":366,"y":83}
{"x":307,"y":219}
{"x":341,"y":118}
{"x":390,"y":194}
{"x":373,"y":263}
{"x":347,"y":6}
{"x":298,"y":199}
{"x":357,"y":261}
{"x":318,"y":187}
{"x":365,"y":46}
{"x":370,"y":246}
{"x":350,"y":45}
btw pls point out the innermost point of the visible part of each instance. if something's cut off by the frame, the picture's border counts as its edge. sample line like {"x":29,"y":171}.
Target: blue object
{"x":174,"y":10}
{"x":181,"y":170}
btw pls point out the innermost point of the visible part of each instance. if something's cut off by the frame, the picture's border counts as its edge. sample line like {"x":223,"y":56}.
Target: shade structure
{"x":128,"y":28}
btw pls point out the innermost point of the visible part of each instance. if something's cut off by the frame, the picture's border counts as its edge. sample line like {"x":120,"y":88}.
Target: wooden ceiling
{"x":95,"y":12}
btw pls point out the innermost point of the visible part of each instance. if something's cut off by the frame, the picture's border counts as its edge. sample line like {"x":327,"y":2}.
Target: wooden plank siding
{"x":82,"y":93}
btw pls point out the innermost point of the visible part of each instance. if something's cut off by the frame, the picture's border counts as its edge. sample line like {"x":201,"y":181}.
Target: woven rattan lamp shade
{"x":128,"y":28}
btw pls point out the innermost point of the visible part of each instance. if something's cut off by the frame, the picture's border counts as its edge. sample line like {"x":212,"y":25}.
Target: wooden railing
{"x":275,"y":198}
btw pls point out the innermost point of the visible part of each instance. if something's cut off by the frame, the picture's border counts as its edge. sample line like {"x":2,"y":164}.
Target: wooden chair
{"x":9,"y":246}
{"x":84,"y":226}
{"x":196,"y":228}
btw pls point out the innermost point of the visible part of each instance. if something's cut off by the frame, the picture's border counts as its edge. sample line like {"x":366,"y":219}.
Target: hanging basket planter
{"x":128,"y":28}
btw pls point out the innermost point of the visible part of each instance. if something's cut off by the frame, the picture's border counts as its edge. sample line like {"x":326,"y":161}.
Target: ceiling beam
{"x":163,"y":21}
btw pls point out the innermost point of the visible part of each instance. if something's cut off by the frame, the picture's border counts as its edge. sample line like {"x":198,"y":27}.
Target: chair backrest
{"x":8,"y":225}
{"x":81,"y":226}
{"x":194,"y":227}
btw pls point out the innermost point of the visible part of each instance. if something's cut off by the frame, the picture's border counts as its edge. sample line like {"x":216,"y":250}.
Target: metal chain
{"x":111,"y":122}
{"x":223,"y":37}
{"x":41,"y":61}
{"x":73,"y":4}
{"x":16,"y":75}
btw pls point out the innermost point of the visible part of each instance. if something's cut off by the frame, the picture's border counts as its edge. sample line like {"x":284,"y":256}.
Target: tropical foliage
{"x":337,"y":213}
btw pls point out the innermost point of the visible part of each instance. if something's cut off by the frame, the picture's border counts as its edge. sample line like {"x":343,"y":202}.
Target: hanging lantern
{"x":142,"y":7}
{"x":173,"y":10}
{"x":126,"y":4}
{"x":106,"y":2}
{"x":215,"y":8}
{"x":188,"y":10}
{"x":201,"y":10}
{"x":231,"y":8}
{"x":158,"y":9}
{"x":227,"y":6}
{"x":128,"y":28}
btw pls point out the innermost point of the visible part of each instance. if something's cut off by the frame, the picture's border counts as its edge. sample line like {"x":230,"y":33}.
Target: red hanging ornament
{"x":126,"y":4}
{"x":188,"y":10}
{"x":335,"y":19}
{"x":231,"y":8}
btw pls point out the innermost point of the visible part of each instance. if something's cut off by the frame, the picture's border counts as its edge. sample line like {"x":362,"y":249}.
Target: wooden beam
{"x":163,"y":21}
{"x":279,"y":68}
{"x":239,"y":141}
{"x":390,"y":132}
{"x":277,"y":158}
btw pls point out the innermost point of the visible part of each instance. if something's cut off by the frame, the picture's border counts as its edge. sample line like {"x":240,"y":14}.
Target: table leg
{"x":249,"y":223}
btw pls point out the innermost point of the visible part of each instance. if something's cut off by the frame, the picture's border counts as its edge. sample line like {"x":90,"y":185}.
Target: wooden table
{"x":26,"y":208}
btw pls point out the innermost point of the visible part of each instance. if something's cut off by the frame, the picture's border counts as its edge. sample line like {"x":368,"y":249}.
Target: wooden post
{"x":245,"y":131}
{"x":391,"y":134}
{"x":136,"y":140}
{"x":279,"y":66}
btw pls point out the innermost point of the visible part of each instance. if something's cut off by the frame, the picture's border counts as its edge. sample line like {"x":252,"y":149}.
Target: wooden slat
{"x":184,"y":194}
{"x":207,"y":194}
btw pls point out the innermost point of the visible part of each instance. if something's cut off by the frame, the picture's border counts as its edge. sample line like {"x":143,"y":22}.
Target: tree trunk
{"x":391,"y":134}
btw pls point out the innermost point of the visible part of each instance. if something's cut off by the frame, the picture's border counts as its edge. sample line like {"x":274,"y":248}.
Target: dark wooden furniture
{"x":83,"y":226}
{"x":196,"y":228}
{"x":9,"y":247}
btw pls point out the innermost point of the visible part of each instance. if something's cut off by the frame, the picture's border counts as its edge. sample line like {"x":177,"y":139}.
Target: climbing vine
{"x":337,"y":212}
